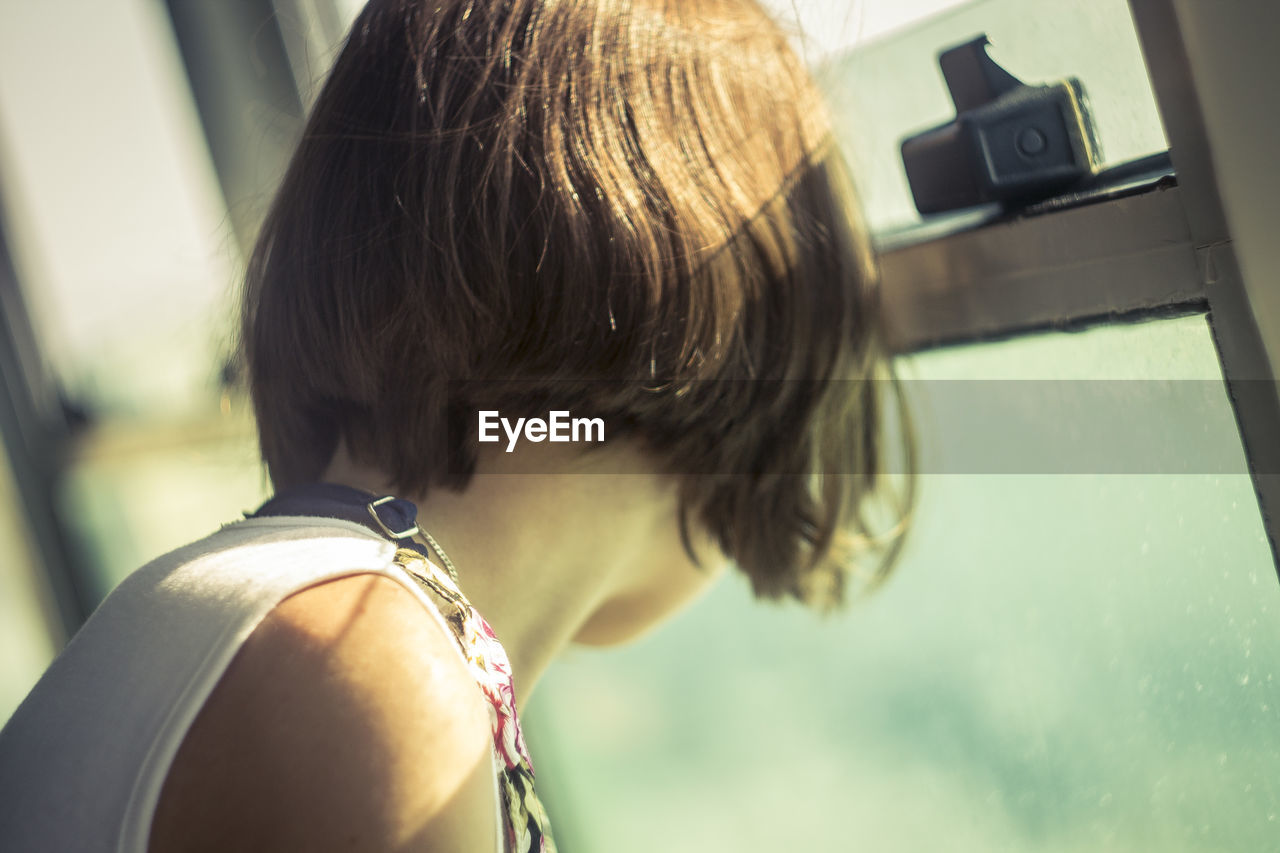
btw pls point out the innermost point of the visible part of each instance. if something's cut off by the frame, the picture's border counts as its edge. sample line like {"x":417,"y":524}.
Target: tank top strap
{"x":528,"y":827}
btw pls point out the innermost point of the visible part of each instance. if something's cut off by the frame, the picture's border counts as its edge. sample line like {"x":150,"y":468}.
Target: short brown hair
{"x":494,"y":197}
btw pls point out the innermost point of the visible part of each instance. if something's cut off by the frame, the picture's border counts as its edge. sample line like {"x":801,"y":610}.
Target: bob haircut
{"x":628,"y":207}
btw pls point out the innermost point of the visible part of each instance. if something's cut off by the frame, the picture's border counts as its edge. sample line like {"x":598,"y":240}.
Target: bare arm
{"x":347,"y":721}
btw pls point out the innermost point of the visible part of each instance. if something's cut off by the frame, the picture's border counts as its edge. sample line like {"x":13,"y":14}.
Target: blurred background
{"x":1063,"y":661}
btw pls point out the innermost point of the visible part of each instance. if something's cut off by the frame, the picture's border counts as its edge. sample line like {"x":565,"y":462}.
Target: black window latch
{"x":1010,"y":142}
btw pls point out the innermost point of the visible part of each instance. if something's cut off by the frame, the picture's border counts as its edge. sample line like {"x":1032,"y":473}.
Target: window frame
{"x":1167,"y":249}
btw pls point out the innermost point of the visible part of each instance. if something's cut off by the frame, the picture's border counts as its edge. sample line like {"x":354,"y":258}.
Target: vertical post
{"x":246,"y":95}
{"x":1212,"y":66}
{"x":33,"y":434}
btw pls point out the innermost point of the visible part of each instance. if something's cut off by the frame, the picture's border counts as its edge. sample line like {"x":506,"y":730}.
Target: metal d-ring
{"x":373,"y":511}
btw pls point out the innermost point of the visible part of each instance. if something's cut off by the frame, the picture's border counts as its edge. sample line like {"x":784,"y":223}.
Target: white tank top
{"x":83,"y":759}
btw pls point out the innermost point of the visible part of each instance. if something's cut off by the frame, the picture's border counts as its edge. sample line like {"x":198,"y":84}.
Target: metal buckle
{"x":373,"y":511}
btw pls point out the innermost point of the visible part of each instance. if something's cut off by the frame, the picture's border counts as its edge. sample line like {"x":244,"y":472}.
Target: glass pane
{"x":1076,"y":662}
{"x":118,"y":226}
{"x":128,"y":264}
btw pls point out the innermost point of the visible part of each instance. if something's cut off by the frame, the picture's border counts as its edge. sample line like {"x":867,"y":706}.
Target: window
{"x":1063,"y":661}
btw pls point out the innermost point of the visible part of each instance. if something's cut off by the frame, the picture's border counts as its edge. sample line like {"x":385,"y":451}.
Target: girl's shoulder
{"x":346,"y":720}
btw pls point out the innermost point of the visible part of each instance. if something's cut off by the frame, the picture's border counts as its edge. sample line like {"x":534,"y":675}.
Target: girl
{"x":627,"y":210}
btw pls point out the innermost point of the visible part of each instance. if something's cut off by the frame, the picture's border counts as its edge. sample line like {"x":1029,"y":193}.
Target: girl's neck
{"x":548,"y":558}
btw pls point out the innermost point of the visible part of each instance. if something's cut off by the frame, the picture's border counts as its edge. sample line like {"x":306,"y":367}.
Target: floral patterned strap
{"x":527,"y":825}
